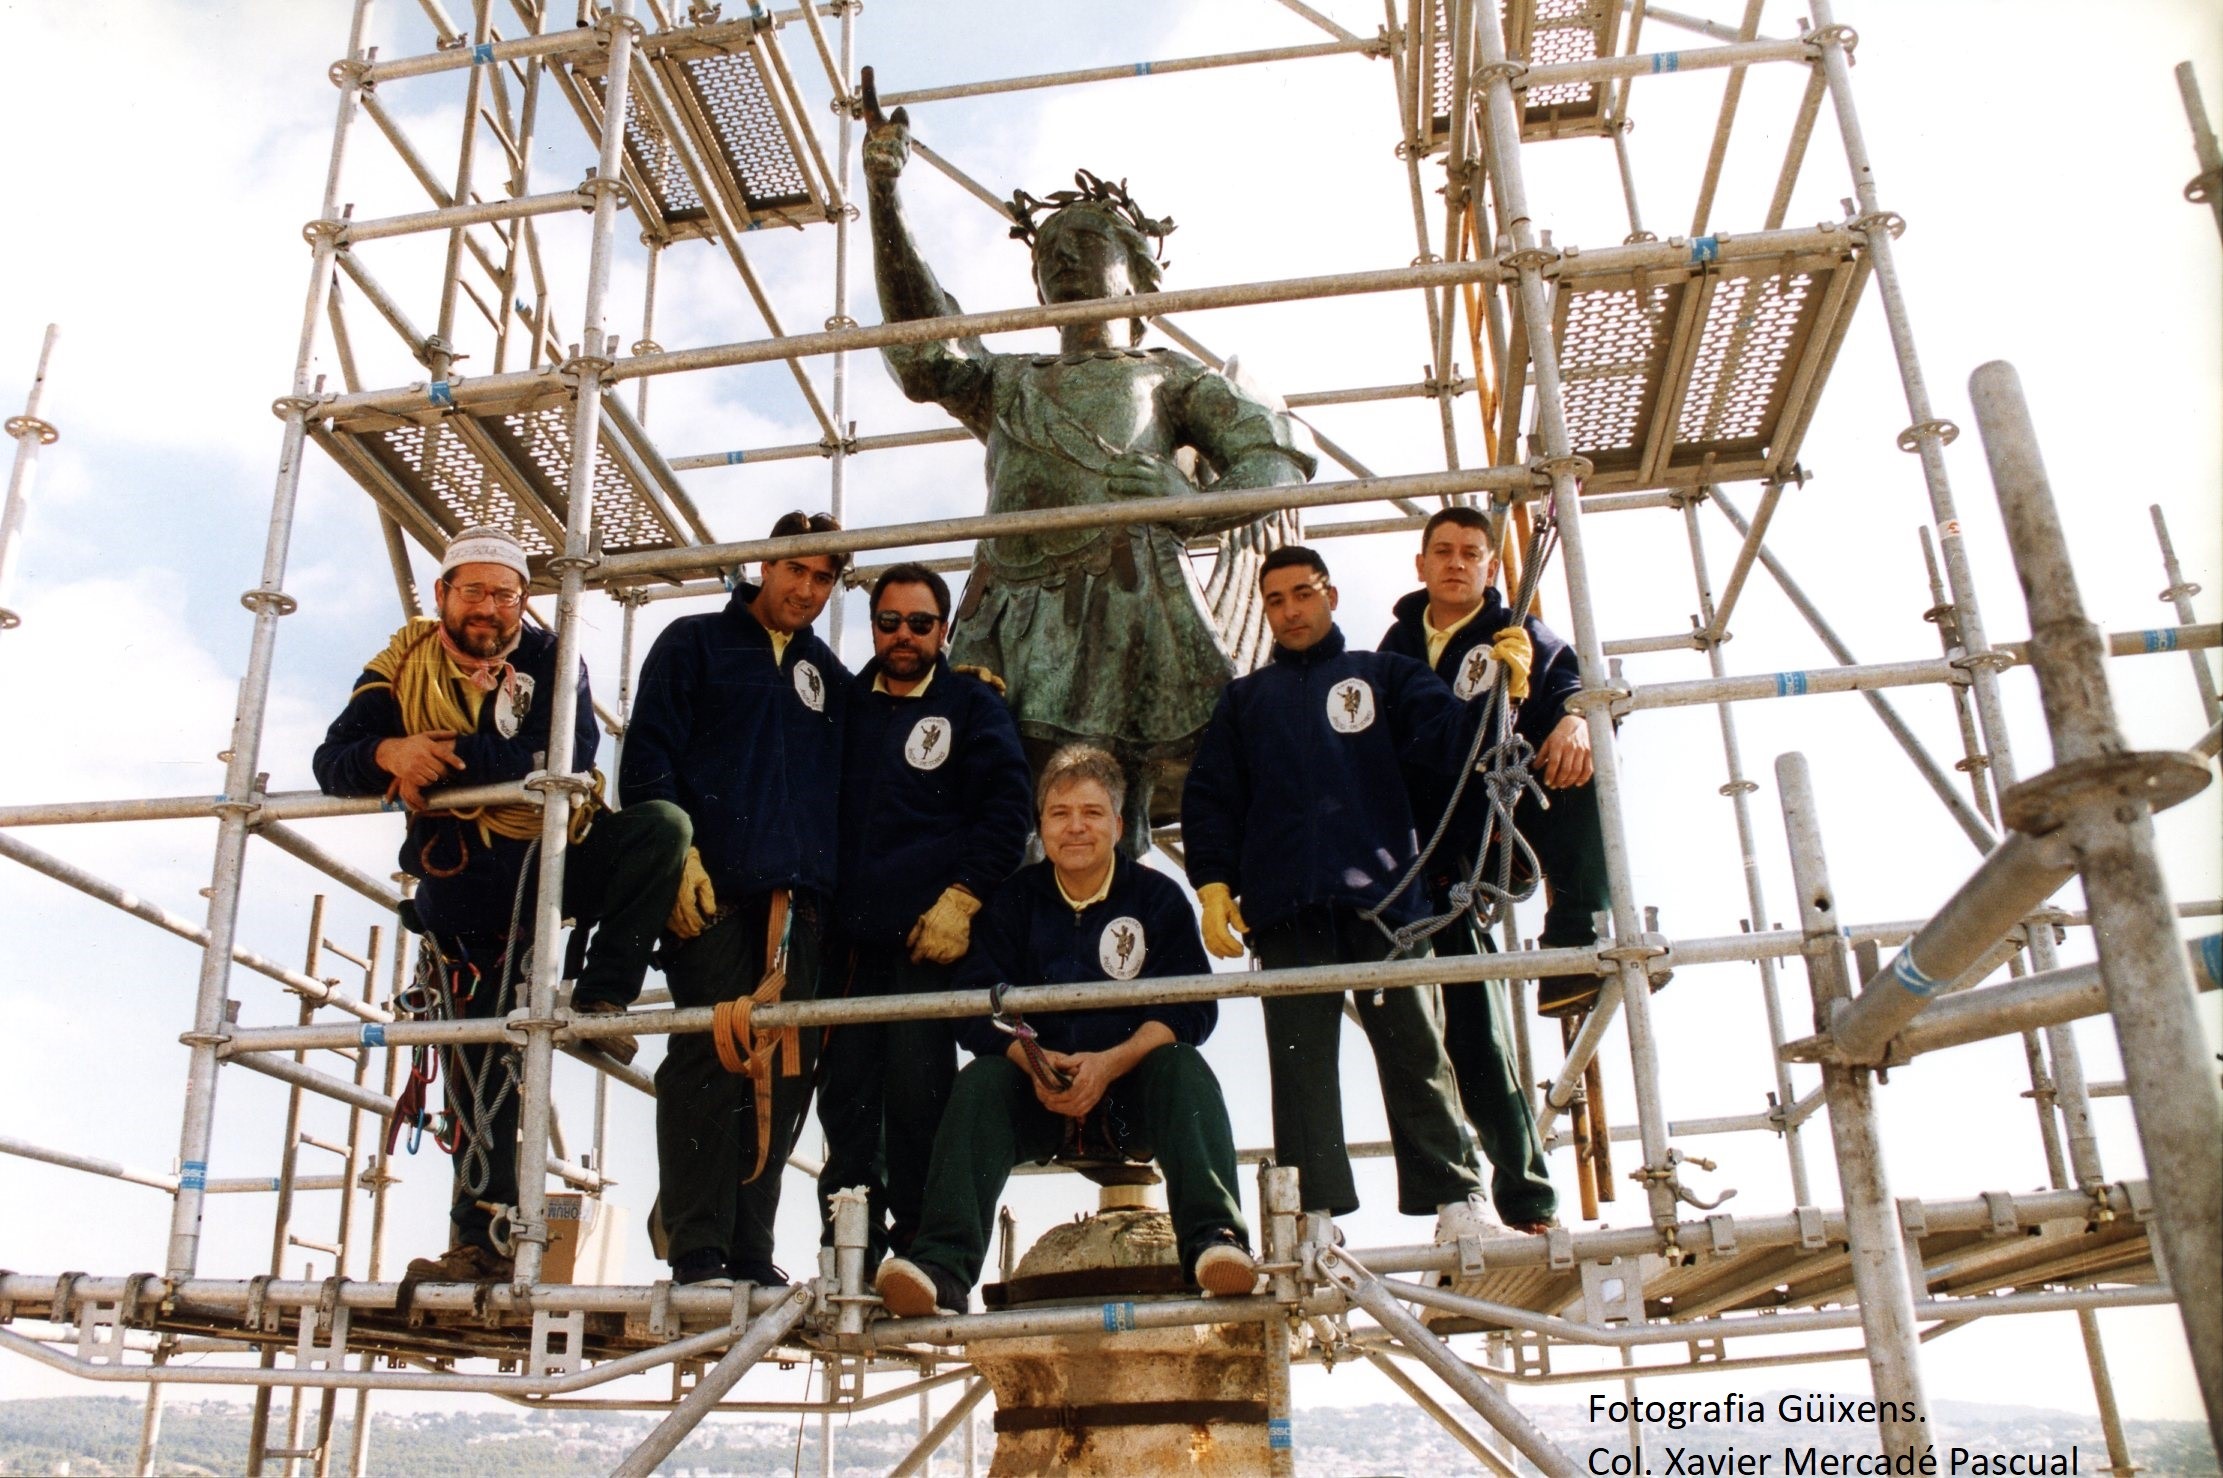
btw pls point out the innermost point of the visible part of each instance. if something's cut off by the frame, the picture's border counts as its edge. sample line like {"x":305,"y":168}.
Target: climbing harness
{"x":1501,"y":757}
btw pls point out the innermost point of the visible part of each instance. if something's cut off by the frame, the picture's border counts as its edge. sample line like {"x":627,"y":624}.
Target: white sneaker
{"x":1227,"y":1270}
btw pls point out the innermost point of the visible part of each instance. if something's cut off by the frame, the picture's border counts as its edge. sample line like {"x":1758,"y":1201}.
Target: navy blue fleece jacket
{"x":477,"y":901}
{"x":748,"y":747}
{"x":934,"y":791}
{"x":1029,"y":935}
{"x":1555,"y":675}
{"x":1297,"y":794}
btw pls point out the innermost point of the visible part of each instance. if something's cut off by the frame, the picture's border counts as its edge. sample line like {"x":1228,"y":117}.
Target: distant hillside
{"x":100,"y":1435}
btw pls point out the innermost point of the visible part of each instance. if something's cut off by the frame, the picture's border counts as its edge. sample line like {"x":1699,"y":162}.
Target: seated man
{"x":1454,"y":624}
{"x":1458,"y":625}
{"x":465,"y":699}
{"x":1296,"y":806}
{"x":1128,"y":1078}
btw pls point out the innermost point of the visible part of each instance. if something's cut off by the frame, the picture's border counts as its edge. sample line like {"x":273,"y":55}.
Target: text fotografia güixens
{"x":1795,"y":1460}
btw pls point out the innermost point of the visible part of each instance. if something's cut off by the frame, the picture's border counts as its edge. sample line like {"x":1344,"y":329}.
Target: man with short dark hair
{"x":1295,"y":814}
{"x":1453,"y":623}
{"x":466,"y":698}
{"x":1459,"y":625}
{"x":739,"y":723}
{"x":1124,"y":1079}
{"x":935,"y":812}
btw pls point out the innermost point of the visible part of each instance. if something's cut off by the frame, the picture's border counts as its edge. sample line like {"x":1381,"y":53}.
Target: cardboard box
{"x":585,"y":1239}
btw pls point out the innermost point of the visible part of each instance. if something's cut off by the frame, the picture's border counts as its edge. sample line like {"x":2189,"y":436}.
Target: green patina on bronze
{"x":1100,"y":635}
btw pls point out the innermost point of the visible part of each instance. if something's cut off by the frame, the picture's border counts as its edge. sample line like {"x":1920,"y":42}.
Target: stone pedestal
{"x":1185,"y":1400}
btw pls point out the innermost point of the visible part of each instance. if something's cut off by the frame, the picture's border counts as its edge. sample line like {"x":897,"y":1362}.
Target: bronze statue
{"x":1100,"y":635}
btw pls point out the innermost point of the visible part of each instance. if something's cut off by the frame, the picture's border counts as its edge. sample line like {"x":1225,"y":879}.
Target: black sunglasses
{"x":920,"y":622}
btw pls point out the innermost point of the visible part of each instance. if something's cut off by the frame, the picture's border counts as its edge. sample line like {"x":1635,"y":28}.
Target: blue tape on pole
{"x":1790,"y":684}
{"x":1277,"y":1434}
{"x":2162,"y":640}
{"x":1667,"y":61}
{"x":734,"y":459}
{"x":373,"y":1034}
{"x":2211,"y":957}
{"x":1705,"y":249}
{"x":1118,"y":1317}
{"x":439,"y":393}
{"x":1142,"y":69}
{"x":274,"y":1184}
{"x":1909,"y":974}
{"x":483,"y":53}
{"x":193,"y":1175}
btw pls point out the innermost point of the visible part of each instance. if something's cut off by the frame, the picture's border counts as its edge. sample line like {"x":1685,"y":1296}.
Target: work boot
{"x":756,"y":1270}
{"x":620,"y":1050}
{"x":703,"y":1269}
{"x":463,"y":1263}
{"x":914,"y":1290}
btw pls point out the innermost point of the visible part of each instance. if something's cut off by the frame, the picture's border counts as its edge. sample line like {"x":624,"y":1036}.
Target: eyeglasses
{"x":504,"y":599}
{"x":920,"y":622}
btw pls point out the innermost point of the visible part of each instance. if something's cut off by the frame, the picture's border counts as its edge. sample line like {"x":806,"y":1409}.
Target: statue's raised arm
{"x":1101,"y":634}
{"x":951,"y":371}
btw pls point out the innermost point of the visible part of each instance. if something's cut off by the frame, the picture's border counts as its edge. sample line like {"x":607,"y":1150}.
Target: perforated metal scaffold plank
{"x":1704,"y":373}
{"x":508,"y":464}
{"x":1547,"y":33}
{"x":739,"y":119}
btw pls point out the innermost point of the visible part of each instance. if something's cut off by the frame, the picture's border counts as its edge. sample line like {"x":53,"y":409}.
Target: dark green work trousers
{"x":886,"y":1085}
{"x":1570,"y":843}
{"x":1169,"y":1109}
{"x":1477,"y":1036}
{"x":620,"y":881}
{"x":706,"y":1129}
{"x":1435,"y":1165}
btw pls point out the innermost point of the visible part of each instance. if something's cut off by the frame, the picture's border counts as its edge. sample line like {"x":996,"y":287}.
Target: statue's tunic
{"x":1101,"y":633}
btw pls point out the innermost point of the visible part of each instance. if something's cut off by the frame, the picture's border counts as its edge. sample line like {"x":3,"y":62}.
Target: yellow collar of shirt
{"x":1079,"y":905}
{"x":1438,"y":640}
{"x":880,"y":685}
{"x":780,"y":639}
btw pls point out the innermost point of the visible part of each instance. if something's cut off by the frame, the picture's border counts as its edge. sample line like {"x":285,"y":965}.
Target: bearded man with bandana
{"x":464,"y":699}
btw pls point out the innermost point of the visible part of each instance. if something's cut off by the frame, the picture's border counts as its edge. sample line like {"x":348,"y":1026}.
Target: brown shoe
{"x":463,"y":1263}
{"x":620,"y":1050}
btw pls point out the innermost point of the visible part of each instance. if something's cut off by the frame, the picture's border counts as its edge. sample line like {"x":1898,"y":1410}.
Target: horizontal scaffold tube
{"x":1125,"y":70}
{"x":131,"y":903}
{"x":284,"y":805}
{"x":463,"y":392}
{"x":2035,"y":1001}
{"x":1661,"y":63}
{"x":2015,"y":877}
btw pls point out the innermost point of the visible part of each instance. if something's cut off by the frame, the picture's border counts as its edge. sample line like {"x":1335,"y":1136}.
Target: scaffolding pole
{"x":29,"y":433}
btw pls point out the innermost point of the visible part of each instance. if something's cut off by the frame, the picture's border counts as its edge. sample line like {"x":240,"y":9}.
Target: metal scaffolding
{"x":1644,"y":374}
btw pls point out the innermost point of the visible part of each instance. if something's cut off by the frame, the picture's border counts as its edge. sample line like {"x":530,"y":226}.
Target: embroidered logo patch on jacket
{"x":1351,"y":706}
{"x":1121,"y":948}
{"x":1477,"y":674}
{"x":810,"y":687}
{"x":929,"y":744}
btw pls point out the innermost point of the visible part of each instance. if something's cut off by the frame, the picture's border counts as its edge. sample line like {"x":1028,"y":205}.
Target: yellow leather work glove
{"x":1223,"y":921}
{"x":1513,"y":652}
{"x":993,"y":681}
{"x":945,"y":931}
{"x":697,"y":903}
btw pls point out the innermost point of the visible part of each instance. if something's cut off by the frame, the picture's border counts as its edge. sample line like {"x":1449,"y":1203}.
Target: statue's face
{"x":1079,"y":255}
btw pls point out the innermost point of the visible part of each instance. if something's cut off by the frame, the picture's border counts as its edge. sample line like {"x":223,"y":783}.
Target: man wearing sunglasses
{"x":465,"y":699}
{"x":935,"y":810}
{"x":739,"y":723}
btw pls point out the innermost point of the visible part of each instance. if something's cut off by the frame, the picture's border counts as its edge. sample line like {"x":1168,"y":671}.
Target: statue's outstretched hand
{"x":1146,"y":475}
{"x":887,"y":142}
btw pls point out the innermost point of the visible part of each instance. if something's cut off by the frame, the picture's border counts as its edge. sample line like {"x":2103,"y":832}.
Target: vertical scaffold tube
{"x":561,"y":789}
{"x":1503,"y":136}
{"x":2149,"y":980}
{"x":1879,"y":1262}
{"x":269,"y":602}
{"x":30,"y":434}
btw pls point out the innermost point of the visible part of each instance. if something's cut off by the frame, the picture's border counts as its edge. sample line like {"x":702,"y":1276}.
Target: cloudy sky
{"x":167,"y":155}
